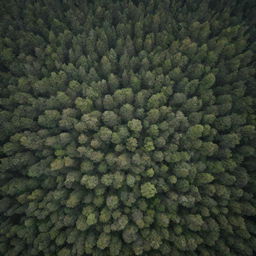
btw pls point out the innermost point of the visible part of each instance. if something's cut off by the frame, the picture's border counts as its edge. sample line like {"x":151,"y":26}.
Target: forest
{"x":127,"y":128}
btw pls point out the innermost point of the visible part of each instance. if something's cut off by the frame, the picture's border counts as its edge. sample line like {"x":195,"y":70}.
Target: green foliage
{"x":85,"y":105}
{"x":127,"y":128}
{"x":135,"y":125}
{"x":49,"y":119}
{"x":204,"y":178}
{"x":90,"y":182}
{"x":103,"y":241}
{"x":131,"y":144}
{"x":148,"y":190}
{"x":110,"y":118}
{"x":112,"y":202}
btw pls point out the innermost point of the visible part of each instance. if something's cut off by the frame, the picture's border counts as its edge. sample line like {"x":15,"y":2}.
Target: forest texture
{"x":127,"y":128}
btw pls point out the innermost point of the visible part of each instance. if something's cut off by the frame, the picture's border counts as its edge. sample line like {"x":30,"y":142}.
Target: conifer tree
{"x":127,"y":128}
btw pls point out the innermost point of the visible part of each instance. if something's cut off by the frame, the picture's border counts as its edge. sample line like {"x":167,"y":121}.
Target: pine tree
{"x":127,"y":128}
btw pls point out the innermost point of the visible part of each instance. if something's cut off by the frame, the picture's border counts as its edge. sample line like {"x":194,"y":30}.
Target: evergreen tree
{"x":127,"y":128}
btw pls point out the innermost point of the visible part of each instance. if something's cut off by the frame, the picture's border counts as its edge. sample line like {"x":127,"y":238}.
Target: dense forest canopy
{"x":127,"y":128}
